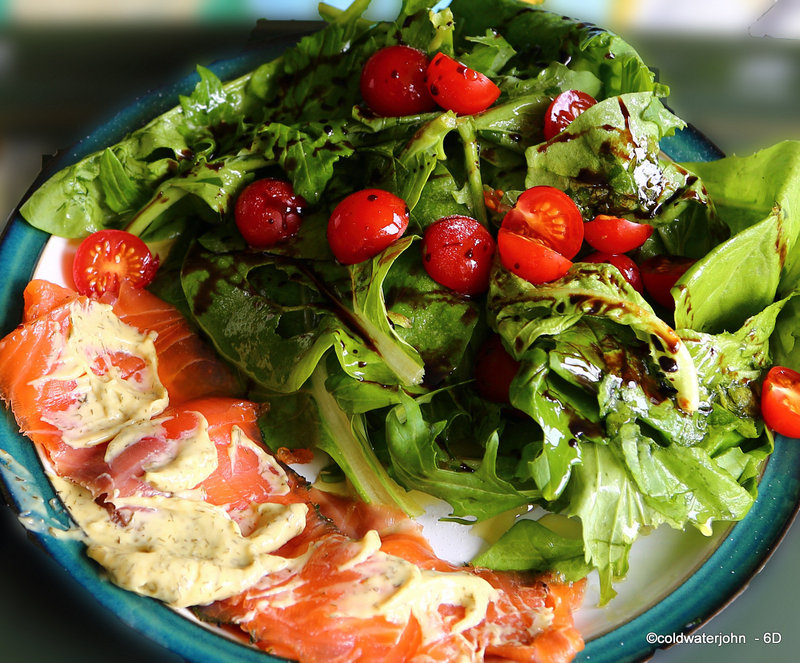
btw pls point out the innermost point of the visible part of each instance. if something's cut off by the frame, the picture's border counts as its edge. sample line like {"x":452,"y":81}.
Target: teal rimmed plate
{"x":705,"y":574}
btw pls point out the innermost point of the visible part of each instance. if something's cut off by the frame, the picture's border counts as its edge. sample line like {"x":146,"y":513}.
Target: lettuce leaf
{"x":476,"y":492}
{"x":522,"y":312}
{"x":615,"y":451}
{"x":532,"y":546}
{"x":541,"y":37}
{"x":756,"y":197}
{"x":275,"y":316}
{"x":106,"y":189}
{"x":311,"y":418}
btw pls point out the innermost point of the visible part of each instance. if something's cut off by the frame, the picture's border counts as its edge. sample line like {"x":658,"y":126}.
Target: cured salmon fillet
{"x":356,"y":582}
{"x":186,"y":366}
{"x":526,"y":620}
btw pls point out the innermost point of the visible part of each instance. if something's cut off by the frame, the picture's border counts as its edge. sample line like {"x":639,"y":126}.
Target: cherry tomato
{"x":611,"y":234}
{"x":529,"y":258}
{"x":458,"y":88}
{"x":365,"y":223}
{"x":393,"y":82}
{"x":564,"y":109}
{"x":268,"y":211}
{"x":623,"y":263}
{"x":457,"y":252}
{"x":494,"y":370}
{"x":548,"y":215}
{"x":106,"y":258}
{"x":660,"y":273}
{"x":780,"y":401}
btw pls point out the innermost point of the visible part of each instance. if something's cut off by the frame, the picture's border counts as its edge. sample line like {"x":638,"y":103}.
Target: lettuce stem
{"x":157,"y":205}
{"x":466,"y":129}
{"x":353,"y":453}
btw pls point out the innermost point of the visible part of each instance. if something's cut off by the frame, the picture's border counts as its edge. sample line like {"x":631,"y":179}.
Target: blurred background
{"x":65,"y":67}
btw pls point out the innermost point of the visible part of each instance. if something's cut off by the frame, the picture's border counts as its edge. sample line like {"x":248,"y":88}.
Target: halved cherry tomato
{"x":106,"y":258}
{"x":393,"y":82}
{"x":365,"y":223}
{"x":529,"y":258}
{"x":660,"y":273}
{"x":268,"y":211}
{"x":548,"y":215}
{"x":611,"y":234}
{"x":456,"y":87}
{"x":457,"y":252}
{"x":564,"y":109}
{"x":780,"y":401}
{"x":494,"y":370}
{"x":623,"y":263}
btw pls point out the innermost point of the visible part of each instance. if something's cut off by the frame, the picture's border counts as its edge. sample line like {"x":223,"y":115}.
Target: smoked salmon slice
{"x":309,"y":616}
{"x":187,"y":367}
{"x":346,"y":582}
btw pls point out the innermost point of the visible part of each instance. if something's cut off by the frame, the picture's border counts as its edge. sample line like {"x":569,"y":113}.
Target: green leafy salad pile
{"x":624,"y":416}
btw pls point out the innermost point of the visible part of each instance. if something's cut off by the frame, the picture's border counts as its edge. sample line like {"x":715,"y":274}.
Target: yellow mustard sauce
{"x":105,"y":401}
{"x":194,"y":459}
{"x":395,"y":589}
{"x":182,"y":551}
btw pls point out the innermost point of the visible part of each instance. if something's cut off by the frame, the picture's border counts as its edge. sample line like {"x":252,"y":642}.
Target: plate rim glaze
{"x":719,"y":579}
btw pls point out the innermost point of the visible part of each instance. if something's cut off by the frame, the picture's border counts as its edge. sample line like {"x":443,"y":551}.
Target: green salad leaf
{"x":756,"y":197}
{"x":275,"y":316}
{"x":532,"y":546}
{"x":420,"y":463}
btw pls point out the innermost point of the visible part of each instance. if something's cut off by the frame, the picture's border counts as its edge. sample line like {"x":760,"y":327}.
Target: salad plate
{"x":677,"y":581}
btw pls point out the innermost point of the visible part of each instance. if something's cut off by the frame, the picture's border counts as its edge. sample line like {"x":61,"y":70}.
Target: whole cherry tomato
{"x":780,"y":401}
{"x":548,"y":215}
{"x":529,"y":258}
{"x":106,"y":258}
{"x":611,"y":234}
{"x":393,"y":82}
{"x":268,"y":211}
{"x":456,"y":87}
{"x":365,"y":223}
{"x":564,"y":109}
{"x":457,"y":252}
{"x":494,"y":370}
{"x":623,"y":263}
{"x":659,"y":275}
